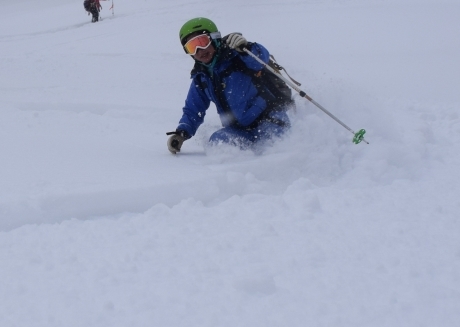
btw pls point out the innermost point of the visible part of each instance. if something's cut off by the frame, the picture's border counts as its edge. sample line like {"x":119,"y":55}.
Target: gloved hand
{"x":175,"y":140}
{"x":236,"y":41}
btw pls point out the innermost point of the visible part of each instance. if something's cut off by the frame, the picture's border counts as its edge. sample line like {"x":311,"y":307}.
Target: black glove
{"x":176,"y":139}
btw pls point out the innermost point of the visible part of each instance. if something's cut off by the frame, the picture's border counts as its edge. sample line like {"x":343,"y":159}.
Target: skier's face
{"x":203,"y":55}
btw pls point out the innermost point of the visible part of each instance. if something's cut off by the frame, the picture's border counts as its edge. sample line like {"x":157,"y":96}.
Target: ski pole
{"x":111,"y":7}
{"x":358,"y":136}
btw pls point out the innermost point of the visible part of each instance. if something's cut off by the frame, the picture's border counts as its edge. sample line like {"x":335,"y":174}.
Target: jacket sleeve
{"x":196,"y":104}
{"x":243,"y":97}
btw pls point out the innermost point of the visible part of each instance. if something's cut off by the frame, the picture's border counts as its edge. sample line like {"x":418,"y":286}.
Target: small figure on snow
{"x":252,"y":109}
{"x":93,"y":7}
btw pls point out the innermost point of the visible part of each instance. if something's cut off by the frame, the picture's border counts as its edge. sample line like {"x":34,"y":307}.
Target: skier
{"x":250,"y":109}
{"x":93,"y":7}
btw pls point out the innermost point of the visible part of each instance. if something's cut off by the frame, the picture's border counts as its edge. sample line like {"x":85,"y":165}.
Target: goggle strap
{"x":215,"y":35}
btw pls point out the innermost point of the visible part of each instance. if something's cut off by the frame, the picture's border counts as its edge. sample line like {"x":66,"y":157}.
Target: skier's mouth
{"x":203,"y":56}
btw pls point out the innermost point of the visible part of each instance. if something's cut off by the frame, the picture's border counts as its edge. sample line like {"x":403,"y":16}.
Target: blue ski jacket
{"x":228,"y":85}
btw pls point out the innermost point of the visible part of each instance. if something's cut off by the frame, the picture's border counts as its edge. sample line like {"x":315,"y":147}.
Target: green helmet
{"x":199,"y":24}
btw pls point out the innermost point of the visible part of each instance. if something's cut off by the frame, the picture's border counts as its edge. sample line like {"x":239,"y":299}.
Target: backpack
{"x":276,"y":85}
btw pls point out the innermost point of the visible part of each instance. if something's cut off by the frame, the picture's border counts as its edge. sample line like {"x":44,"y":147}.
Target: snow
{"x":101,"y":226}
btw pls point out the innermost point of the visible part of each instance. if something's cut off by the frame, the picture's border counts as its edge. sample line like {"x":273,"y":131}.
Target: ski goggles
{"x":201,"y":41}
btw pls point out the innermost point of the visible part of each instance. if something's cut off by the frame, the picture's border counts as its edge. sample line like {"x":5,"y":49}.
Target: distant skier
{"x":252,"y":107}
{"x":93,"y":7}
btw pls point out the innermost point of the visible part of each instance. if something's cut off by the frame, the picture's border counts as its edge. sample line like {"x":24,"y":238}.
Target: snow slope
{"x":101,"y":226}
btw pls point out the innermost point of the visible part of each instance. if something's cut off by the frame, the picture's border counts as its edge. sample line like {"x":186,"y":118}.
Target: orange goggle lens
{"x":198,"y":42}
